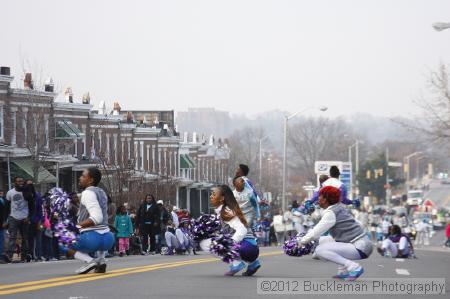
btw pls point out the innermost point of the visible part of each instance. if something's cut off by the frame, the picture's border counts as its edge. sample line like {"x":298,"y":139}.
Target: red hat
{"x":331,"y":194}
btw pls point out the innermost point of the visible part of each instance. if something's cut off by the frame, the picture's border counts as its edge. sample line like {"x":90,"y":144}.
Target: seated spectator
{"x":177,"y":239}
{"x":396,"y":245}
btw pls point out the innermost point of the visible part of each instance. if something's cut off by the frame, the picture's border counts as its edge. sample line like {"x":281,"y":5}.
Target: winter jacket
{"x":123,"y":225}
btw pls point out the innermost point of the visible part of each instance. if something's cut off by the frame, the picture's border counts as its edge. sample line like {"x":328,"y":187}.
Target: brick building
{"x":139,"y":152}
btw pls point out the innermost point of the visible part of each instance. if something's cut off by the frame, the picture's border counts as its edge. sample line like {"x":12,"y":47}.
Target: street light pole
{"x":407,"y":158}
{"x":260,"y":160}
{"x":283,"y":193}
{"x":286,"y":119}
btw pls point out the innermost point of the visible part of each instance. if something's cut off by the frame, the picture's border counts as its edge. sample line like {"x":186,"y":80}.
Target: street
{"x":197,"y":276}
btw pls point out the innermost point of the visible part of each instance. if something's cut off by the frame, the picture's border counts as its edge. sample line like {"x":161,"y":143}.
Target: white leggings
{"x":340,"y":253}
{"x":393,"y":248}
{"x":179,"y":240}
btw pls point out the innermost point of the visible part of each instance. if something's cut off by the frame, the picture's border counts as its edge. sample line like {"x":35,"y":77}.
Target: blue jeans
{"x":92,"y":241}
{"x":47,"y":246}
{"x":2,"y":241}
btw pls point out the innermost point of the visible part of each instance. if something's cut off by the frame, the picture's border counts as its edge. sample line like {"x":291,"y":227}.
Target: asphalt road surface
{"x":200,"y":276}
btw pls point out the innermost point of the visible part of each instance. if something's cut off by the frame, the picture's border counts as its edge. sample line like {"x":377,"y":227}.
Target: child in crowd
{"x":124,"y":228}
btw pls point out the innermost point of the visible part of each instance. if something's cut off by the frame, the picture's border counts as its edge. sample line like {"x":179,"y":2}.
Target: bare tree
{"x":434,"y":123}
{"x":315,"y":139}
{"x":244,"y":144}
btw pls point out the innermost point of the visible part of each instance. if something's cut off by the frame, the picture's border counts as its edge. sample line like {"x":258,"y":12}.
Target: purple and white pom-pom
{"x":292,"y":248}
{"x":205,"y":227}
{"x":225,"y":248}
{"x":65,"y":229}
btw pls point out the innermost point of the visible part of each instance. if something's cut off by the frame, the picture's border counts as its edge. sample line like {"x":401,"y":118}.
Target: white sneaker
{"x":86,"y":268}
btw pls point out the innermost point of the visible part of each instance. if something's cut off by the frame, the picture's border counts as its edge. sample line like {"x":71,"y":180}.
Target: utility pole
{"x":388,"y":187}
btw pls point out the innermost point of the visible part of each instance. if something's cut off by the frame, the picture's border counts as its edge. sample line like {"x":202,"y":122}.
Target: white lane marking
{"x":399,"y":260}
{"x":402,"y":272}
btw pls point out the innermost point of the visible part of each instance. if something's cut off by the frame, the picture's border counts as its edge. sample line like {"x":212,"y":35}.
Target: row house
{"x":52,"y":142}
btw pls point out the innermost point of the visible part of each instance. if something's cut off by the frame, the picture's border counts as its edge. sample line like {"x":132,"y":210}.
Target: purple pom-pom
{"x":65,"y":229}
{"x":224,"y":247}
{"x":292,"y":248}
{"x":205,"y":227}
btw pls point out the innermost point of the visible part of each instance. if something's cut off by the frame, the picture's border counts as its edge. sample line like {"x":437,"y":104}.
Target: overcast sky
{"x":241,"y":56}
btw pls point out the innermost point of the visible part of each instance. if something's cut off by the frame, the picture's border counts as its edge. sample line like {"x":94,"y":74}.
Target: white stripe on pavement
{"x":399,"y":260}
{"x":402,"y":271}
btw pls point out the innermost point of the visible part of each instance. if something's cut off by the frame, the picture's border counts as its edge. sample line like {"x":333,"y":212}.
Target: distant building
{"x":208,"y":120}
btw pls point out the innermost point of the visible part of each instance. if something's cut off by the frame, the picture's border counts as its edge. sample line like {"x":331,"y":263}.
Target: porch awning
{"x":65,"y":129}
{"x":24,"y":168}
{"x":186,"y":162}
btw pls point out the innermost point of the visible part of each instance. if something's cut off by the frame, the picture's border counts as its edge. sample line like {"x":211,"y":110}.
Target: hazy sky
{"x":241,"y":56}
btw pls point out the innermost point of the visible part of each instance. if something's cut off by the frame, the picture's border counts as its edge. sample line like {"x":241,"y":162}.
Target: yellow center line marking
{"x":60,"y":281}
{"x":9,"y":286}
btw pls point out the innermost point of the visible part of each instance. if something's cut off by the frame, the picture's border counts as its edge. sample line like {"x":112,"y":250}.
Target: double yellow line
{"x":21,"y":287}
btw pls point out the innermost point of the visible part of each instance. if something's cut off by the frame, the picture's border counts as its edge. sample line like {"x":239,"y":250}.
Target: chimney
{"x":28,"y":81}
{"x":194,"y":137}
{"x":116,"y":108}
{"x":86,"y":98}
{"x":102,"y":108}
{"x":5,"y":71}
{"x":68,"y":95}
{"x":211,"y":140}
{"x":185,"y":137}
{"x":49,"y":86}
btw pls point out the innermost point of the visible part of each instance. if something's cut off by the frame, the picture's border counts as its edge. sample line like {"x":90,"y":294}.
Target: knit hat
{"x":331,"y":194}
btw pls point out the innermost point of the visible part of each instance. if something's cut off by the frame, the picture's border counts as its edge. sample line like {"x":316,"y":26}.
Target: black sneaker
{"x":6,"y":259}
{"x":101,"y":268}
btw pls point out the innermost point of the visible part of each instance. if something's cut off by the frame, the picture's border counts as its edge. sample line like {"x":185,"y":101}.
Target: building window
{"x":14,"y":127}
{"x":1,"y":122}
{"x":142,"y":155}
{"x":47,"y":142}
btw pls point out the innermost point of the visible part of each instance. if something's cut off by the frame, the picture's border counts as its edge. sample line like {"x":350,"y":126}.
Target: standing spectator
{"x":37,"y":218}
{"x":19,"y":219}
{"x":297,"y":218}
{"x":164,"y":217}
{"x":385,"y":227}
{"x":112,"y":210}
{"x":265,"y":225}
{"x":279,"y":227}
{"x":124,"y":227}
{"x":3,"y":215}
{"x":148,"y":221}
{"x":174,"y":213}
{"x":422,"y":230}
{"x":447,"y":235}
{"x":287,"y":217}
{"x":47,"y":237}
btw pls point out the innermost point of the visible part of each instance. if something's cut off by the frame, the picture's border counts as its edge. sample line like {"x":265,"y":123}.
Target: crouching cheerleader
{"x":350,"y":239}
{"x":242,"y":239}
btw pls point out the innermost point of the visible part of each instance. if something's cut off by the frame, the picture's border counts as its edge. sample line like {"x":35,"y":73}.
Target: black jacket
{"x":3,"y":211}
{"x":151,"y":215}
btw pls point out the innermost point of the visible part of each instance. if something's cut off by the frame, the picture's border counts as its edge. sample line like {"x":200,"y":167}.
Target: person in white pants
{"x":351,"y":240}
{"x":396,"y":245}
{"x":176,"y":239}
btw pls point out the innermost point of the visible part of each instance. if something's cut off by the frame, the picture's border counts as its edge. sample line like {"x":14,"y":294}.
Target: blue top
{"x":123,"y":225}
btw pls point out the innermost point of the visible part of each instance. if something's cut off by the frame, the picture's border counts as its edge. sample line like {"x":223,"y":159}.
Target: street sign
{"x":395,"y":164}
